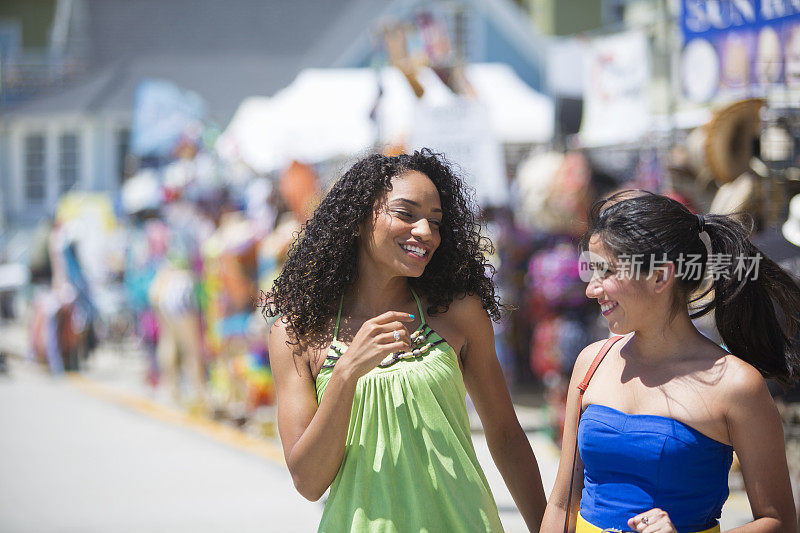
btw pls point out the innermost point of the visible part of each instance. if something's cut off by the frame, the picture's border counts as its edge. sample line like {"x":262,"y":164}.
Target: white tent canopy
{"x":325,"y":114}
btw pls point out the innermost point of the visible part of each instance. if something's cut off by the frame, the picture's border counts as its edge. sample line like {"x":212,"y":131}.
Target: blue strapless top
{"x":637,"y":462}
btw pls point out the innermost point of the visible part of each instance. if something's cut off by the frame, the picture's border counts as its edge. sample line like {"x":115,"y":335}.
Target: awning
{"x":331,"y":113}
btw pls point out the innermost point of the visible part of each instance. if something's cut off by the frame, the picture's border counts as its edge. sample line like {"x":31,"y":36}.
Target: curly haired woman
{"x":371,"y":397}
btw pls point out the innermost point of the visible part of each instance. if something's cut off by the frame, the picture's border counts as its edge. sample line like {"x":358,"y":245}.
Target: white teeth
{"x":414,"y":250}
{"x":607,"y":307}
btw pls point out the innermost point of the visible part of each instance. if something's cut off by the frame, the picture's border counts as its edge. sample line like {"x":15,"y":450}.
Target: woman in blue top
{"x":667,"y":407}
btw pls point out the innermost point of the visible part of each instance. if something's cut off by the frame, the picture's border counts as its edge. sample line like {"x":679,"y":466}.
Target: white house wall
{"x":101,"y":145}
{"x":107,"y":171}
{"x":96,"y":159}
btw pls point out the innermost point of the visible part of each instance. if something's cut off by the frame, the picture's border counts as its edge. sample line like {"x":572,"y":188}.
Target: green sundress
{"x":409,"y":464}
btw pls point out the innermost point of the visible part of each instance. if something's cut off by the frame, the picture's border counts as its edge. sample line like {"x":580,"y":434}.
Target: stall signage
{"x":616,"y":102}
{"x":461,"y":130}
{"x":739,"y":48}
{"x":704,"y":17}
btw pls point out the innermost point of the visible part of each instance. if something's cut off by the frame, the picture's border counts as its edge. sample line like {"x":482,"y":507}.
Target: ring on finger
{"x":396,"y":335}
{"x":646,"y":520}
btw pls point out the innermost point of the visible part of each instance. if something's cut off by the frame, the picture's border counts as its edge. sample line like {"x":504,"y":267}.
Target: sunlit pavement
{"x":103,"y":452}
{"x":71,"y":461}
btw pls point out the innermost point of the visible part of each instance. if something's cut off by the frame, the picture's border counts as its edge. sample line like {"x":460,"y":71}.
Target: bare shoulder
{"x":585,"y":358}
{"x":281,"y":348}
{"x":467,"y":310}
{"x":279,"y":335}
{"x":741,"y":381}
{"x":465,"y":323}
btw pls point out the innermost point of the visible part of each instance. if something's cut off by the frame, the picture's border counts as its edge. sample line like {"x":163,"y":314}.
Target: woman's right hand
{"x":374,"y":341}
{"x":652,"y":521}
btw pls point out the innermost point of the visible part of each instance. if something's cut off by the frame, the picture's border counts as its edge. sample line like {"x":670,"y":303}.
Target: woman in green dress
{"x":384,"y":326}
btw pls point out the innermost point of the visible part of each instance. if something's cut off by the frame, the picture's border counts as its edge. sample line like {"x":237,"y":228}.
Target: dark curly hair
{"x":321,"y":264}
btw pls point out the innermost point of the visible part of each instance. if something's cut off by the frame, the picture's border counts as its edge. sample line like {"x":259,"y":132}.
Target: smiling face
{"x":404,"y":232}
{"x":623,"y":300}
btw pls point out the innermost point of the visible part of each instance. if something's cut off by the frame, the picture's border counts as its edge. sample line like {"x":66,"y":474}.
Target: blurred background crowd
{"x":158,"y":157}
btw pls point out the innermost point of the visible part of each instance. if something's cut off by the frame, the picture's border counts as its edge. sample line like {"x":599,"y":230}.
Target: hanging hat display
{"x":729,"y":138}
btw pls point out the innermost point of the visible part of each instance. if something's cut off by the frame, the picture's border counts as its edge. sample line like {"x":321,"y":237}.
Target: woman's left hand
{"x":652,"y":521}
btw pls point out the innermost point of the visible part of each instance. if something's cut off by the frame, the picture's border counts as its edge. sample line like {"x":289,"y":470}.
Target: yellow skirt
{"x":585,"y":527}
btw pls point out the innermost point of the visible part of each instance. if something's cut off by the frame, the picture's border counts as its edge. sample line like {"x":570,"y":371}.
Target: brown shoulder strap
{"x":597,"y":360}
{"x":582,"y":388}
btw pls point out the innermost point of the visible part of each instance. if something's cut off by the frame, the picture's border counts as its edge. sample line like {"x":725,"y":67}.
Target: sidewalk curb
{"x":209,"y":428}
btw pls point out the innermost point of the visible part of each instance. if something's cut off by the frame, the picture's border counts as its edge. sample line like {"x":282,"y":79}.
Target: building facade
{"x":73,"y":133}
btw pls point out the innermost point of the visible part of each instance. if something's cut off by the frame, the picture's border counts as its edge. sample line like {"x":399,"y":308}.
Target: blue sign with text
{"x":739,"y":48}
{"x":703,"y":18}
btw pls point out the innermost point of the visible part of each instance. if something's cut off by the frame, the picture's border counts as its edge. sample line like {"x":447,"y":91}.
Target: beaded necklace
{"x":419,"y":346}
{"x":417,"y":350}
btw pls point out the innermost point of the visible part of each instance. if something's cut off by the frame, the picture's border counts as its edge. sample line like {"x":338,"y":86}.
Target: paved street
{"x":101,"y":453}
{"x":70,"y":461}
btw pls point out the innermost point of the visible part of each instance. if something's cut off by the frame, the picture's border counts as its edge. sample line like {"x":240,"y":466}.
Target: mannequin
{"x":783,"y":244}
{"x":791,"y":228}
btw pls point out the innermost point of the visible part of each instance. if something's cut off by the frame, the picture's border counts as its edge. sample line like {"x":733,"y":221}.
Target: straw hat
{"x":729,"y":139}
{"x":739,"y":195}
{"x":141,"y":192}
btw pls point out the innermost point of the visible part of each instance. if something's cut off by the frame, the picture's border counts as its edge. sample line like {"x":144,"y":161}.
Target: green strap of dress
{"x":338,"y":317}
{"x":419,"y":306}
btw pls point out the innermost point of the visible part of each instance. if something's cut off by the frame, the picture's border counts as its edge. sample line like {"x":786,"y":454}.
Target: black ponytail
{"x":757,"y":315}
{"x":756,"y":304}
